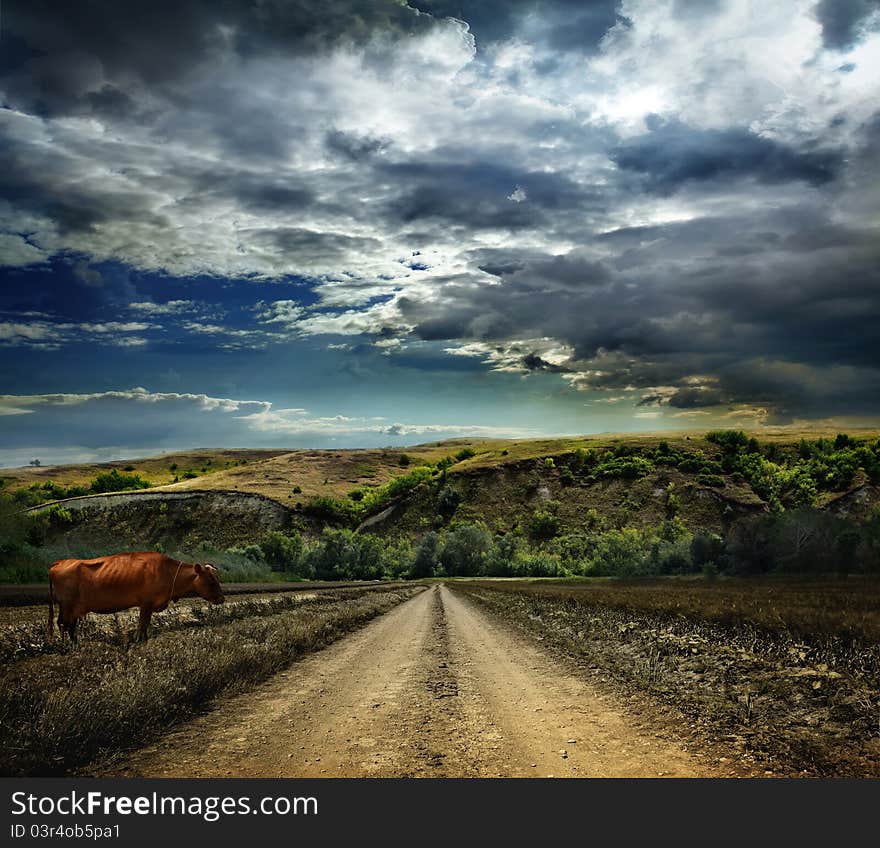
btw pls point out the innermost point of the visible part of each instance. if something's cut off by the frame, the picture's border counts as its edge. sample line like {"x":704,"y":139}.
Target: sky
{"x":306,"y":224}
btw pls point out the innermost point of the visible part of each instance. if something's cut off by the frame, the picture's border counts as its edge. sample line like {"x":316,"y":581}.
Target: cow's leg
{"x":71,"y":630}
{"x":144,"y":624}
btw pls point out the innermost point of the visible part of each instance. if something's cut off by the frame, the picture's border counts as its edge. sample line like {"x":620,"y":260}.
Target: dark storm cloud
{"x":697,"y":398}
{"x":533,"y":362}
{"x":36,"y":181}
{"x":672,"y":154}
{"x":69,"y":53}
{"x":297,"y":242}
{"x":842,"y":21}
{"x":577,"y":269}
{"x":672,"y":314}
{"x":353,"y":147}
{"x":518,"y":200}
{"x":479,"y":194}
{"x":255,"y":192}
{"x":111,"y":103}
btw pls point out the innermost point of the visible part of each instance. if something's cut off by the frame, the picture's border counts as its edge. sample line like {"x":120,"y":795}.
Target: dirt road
{"x":433,"y":688}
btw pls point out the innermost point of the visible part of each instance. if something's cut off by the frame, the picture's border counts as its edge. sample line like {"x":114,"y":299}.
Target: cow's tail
{"x":51,"y":628}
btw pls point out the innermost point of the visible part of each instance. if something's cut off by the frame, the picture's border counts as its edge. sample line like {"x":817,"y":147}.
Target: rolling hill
{"x":226,"y":497}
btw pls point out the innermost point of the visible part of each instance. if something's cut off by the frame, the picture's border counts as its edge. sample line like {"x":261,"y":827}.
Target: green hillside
{"x":611,"y":504}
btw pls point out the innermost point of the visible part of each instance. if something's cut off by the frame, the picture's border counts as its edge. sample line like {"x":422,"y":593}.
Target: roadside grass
{"x":829,"y":612}
{"x":756,"y":679}
{"x":21,"y":639}
{"x":58,"y":712}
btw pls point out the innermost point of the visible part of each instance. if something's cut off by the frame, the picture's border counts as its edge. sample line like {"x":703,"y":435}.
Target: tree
{"x":282,"y":551}
{"x":706,"y":548}
{"x":500,"y":559}
{"x":464,"y":550}
{"x":427,"y":556}
{"x":544,"y":525}
{"x":847,"y":542}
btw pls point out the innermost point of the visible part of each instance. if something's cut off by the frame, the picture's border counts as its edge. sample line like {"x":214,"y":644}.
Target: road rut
{"x":433,"y":688}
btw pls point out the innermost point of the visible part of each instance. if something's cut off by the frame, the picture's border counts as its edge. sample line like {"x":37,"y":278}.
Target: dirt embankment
{"x":433,"y":688}
{"x":175,"y":519}
{"x":507,"y":494}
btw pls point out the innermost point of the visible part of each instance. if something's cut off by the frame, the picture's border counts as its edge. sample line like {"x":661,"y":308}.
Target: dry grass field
{"x":786,"y":672}
{"x":157,"y":470}
{"x":63,"y":706}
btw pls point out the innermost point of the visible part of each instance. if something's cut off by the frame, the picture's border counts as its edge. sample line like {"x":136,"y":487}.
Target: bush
{"x":254,"y":553}
{"x":447,"y":502}
{"x":730,"y":441}
{"x":673,"y":504}
{"x":59,"y":517}
{"x":325,"y":508}
{"x":396,"y":488}
{"x":612,"y":465}
{"x":543,"y":525}
{"x":465,"y":453}
{"x":624,"y":553}
{"x":282,"y":551}
{"x":114,"y":481}
{"x":536,"y":564}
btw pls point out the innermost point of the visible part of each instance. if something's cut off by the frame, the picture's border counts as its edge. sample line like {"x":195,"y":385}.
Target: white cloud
{"x":295,"y":422}
{"x":49,"y":335}
{"x":172,"y":307}
{"x":76,"y":427}
{"x":286,"y":312}
{"x":15,"y":252}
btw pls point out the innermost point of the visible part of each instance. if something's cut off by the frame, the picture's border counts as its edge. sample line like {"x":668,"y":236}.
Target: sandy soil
{"x":434,"y":688}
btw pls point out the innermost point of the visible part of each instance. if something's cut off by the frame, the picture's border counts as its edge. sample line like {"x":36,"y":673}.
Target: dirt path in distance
{"x":433,"y":688}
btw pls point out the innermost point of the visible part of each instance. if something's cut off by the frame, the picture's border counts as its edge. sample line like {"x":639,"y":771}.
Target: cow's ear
{"x":200,"y":569}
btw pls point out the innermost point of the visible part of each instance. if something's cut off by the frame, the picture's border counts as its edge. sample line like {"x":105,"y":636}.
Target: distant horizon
{"x":818,"y":431}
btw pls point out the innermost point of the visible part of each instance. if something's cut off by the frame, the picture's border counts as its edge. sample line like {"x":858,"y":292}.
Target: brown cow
{"x":115,"y":583}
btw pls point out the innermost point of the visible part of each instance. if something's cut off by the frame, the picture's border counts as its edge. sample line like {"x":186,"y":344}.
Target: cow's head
{"x":207,"y":583}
